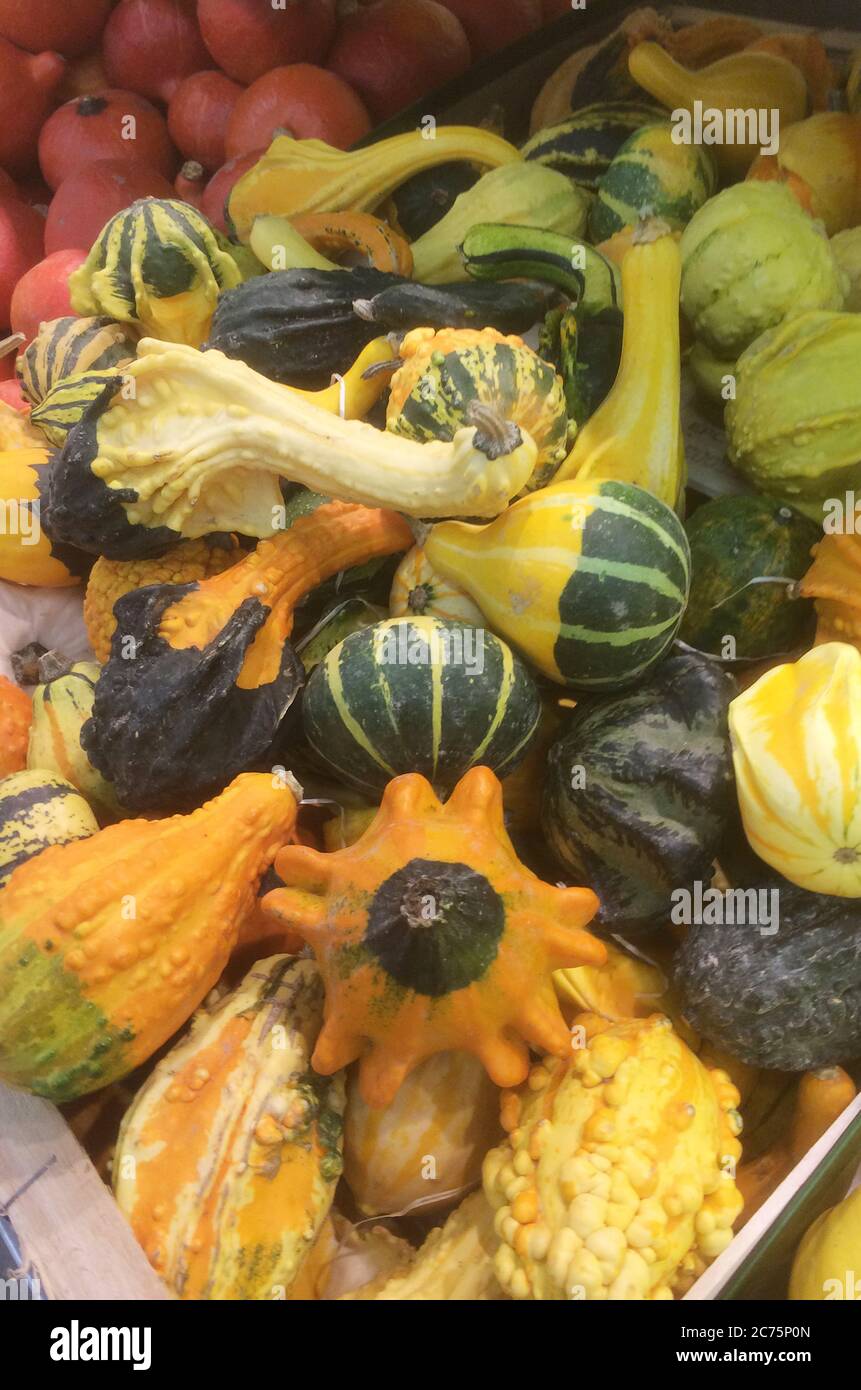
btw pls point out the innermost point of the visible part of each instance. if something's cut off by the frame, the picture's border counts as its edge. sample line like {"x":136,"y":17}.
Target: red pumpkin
{"x":22,"y":230}
{"x":490,"y":26}
{"x":217,"y":191}
{"x":304,"y":101}
{"x":27,"y":84}
{"x":190,"y":183}
{"x":87,"y":199}
{"x":198,"y":115}
{"x":247,"y":38}
{"x":43,"y":293}
{"x":149,"y":46}
{"x":71,"y":27}
{"x":397,"y":51}
{"x":113,"y":125}
{"x":11,"y":394}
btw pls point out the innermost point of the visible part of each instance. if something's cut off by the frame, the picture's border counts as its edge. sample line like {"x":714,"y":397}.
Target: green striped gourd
{"x":584,"y":145}
{"x":227,"y":1160}
{"x":158,"y":265}
{"x":38,"y":809}
{"x":61,"y":707}
{"x":652,"y":176}
{"x":588,"y":580}
{"x":420,"y":695}
{"x":64,"y":405}
{"x":64,"y":347}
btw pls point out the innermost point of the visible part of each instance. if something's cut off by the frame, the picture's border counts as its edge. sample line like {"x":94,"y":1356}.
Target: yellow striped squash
{"x":796,"y":738}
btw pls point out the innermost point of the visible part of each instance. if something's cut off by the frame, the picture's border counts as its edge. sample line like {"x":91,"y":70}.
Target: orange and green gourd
{"x":431,"y":936}
{"x":227,"y":1160}
{"x":107,"y":945}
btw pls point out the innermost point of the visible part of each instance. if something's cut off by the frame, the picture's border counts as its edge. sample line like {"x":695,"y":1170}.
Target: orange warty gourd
{"x":431,"y":936}
{"x":108,"y":944}
{"x":16,"y":716}
{"x":834,"y":583}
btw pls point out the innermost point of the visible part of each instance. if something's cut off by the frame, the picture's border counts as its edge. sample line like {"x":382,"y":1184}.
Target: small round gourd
{"x":66,"y":346}
{"x":419,"y":592}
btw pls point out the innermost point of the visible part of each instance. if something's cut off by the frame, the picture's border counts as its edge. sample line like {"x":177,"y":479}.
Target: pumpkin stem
{"x":792,"y":586}
{"x":494,"y":436}
{"x":650,"y":229}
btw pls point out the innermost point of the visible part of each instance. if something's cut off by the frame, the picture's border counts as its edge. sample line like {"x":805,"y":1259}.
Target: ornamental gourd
{"x":833,"y":581}
{"x":158,"y":266}
{"x":418,"y":591}
{"x":446,"y":1110}
{"x":819,"y":160}
{"x":139,"y":473}
{"x":27,"y":556}
{"x":38,"y":809}
{"x":70,"y":345}
{"x":613,"y":1183}
{"x":108,"y":944}
{"x":442,"y":372}
{"x":796,"y":737}
{"x":587,"y":579}
{"x":652,"y":175}
{"x":419,"y":695}
{"x":635,"y":435}
{"x":227,"y":1160}
{"x":61,"y":707}
{"x":300,"y":176}
{"x":217,"y":649}
{"x":16,"y":716}
{"x":431,"y":936}
{"x":828,"y":1251}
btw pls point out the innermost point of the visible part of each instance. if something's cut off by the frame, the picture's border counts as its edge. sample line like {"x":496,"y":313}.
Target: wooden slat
{"x":68,"y":1224}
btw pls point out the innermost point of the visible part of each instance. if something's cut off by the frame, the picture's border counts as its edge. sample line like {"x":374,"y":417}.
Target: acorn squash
{"x":227,"y":1160}
{"x":796,"y":736}
{"x":639,"y":789}
{"x":431,"y":936}
{"x":108,"y":944}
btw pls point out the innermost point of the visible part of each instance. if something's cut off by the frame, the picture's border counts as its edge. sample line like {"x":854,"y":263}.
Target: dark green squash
{"x":788,"y":999}
{"x":509,"y":306}
{"x":639,"y":790}
{"x":736,"y":540}
{"x":420,"y":695}
{"x":351,"y":615}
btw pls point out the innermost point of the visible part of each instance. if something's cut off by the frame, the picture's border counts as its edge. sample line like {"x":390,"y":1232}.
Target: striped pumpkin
{"x":418,"y":591}
{"x":585,"y":143}
{"x":64,"y":405}
{"x":652,"y":176}
{"x":588,"y":580}
{"x":420,"y":695}
{"x":64,"y":347}
{"x":38,"y":809}
{"x":443,"y":372}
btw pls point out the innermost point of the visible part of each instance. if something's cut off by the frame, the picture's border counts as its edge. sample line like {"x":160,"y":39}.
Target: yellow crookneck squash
{"x":227,"y":1160}
{"x":615,"y":1181}
{"x":431,"y":937}
{"x":205,"y":441}
{"x":108,"y":944}
{"x":635,"y":435}
{"x":304,"y":176}
{"x":796,"y":736}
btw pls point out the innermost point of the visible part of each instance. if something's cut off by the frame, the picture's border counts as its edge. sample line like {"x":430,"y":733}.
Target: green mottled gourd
{"x":615,"y":1180}
{"x":108,"y":944}
{"x":652,"y":175}
{"x":227,"y":1160}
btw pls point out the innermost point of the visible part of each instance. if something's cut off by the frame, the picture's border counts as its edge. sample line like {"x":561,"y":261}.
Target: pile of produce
{"x":449,"y":853}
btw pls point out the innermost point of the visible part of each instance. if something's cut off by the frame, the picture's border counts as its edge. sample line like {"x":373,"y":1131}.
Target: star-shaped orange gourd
{"x":431,"y":936}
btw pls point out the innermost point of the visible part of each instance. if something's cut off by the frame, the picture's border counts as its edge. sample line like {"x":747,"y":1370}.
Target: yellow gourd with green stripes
{"x":588,"y":580}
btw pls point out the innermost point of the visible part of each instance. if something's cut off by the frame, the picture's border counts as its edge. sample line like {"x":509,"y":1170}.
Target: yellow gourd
{"x":826,"y":1265}
{"x":742,"y":81}
{"x":635,"y":434}
{"x":296,"y":176}
{"x":26,"y":554}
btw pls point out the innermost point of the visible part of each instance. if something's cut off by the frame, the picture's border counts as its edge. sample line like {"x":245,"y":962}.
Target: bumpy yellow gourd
{"x":615,"y":1182}
{"x":296,"y":176}
{"x":796,"y":737}
{"x":635,"y":434}
{"x":740,"y":82}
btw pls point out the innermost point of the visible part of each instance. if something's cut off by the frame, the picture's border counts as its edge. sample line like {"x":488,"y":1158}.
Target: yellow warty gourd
{"x":796,"y":737}
{"x":746,"y":82}
{"x":635,"y":434}
{"x":615,"y":1182}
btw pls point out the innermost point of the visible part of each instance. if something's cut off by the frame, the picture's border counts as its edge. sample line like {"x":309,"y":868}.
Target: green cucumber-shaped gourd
{"x":509,"y":308}
{"x":493,"y":251}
